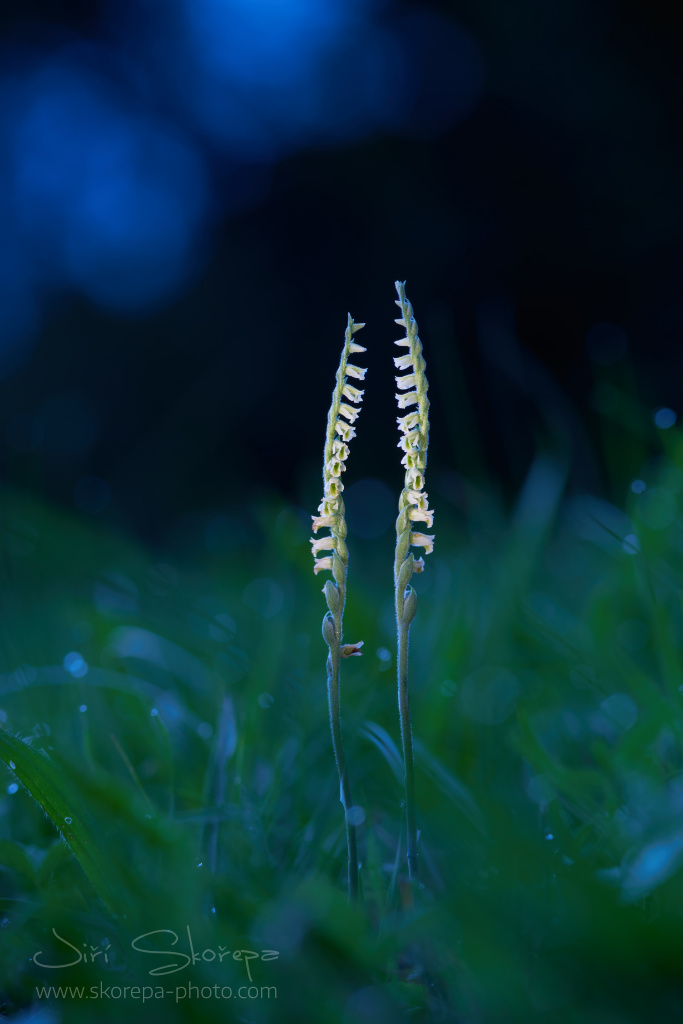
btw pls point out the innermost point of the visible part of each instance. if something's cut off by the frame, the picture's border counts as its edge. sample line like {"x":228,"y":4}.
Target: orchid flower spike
{"x":414,"y":440}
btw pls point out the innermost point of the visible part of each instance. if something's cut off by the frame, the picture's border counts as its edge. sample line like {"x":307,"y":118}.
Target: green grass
{"x":546,"y":701}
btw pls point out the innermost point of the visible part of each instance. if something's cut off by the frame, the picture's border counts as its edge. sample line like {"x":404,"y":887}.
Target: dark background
{"x":519,"y":164}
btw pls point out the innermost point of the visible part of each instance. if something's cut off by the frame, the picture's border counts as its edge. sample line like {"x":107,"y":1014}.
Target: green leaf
{"x":55,"y":793}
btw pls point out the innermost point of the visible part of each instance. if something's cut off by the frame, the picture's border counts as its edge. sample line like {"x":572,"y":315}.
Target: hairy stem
{"x":407,"y":743}
{"x":333,"y":664}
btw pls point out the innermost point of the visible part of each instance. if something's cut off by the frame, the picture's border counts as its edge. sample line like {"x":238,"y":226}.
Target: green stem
{"x":333,"y":665}
{"x":407,"y":742}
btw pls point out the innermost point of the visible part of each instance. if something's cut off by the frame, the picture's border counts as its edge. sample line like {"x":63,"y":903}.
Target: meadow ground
{"x":169,"y":767}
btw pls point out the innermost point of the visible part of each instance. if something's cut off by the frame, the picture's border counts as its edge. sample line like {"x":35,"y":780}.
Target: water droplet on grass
{"x":355,"y":815}
{"x":12,"y":788}
{"x":68,"y":820}
{"x":76,"y":664}
{"x":12,"y":765}
{"x":631,"y":544}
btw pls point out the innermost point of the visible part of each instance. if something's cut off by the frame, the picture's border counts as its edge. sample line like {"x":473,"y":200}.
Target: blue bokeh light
{"x":263,"y":78}
{"x":117,"y":156}
{"x":106,"y":197}
{"x":76,"y":664}
{"x":664,"y":418}
{"x":265,"y":42}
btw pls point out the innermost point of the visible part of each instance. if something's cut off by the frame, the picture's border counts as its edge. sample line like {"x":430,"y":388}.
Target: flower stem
{"x":333,"y":664}
{"x":407,"y":743}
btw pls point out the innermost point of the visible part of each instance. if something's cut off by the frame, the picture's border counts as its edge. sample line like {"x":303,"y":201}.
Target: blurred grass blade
{"x":53,"y":792}
{"x":386,"y":746}
{"x":450,"y":786}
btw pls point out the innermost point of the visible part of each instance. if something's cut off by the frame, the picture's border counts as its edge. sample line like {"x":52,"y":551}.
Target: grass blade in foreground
{"x":331,"y":510}
{"x":52,"y":791}
{"x":413,"y":508}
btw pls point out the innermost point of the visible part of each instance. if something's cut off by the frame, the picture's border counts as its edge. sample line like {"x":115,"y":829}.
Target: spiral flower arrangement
{"x":331,"y":553}
{"x":413,"y":508}
{"x":340,"y":431}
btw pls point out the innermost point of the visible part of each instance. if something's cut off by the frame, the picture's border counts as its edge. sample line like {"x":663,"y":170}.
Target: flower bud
{"x":331,"y":596}
{"x":339,"y":569}
{"x":405,"y":572}
{"x":328,"y":629}
{"x":402,"y":521}
{"x":402,"y":546}
{"x":409,"y":607}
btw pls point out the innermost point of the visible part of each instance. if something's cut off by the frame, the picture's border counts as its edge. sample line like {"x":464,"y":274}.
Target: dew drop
{"x":355,"y":815}
{"x":76,"y":664}
{"x":550,"y":836}
{"x":154,"y":712}
{"x":12,"y":788}
{"x":12,"y":765}
{"x":68,"y":820}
